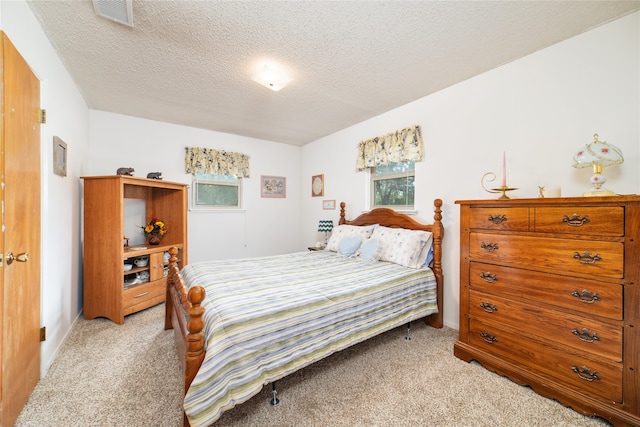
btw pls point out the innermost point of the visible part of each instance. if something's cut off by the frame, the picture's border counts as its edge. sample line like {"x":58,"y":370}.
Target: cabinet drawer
{"x":587,"y":296}
{"x":500,"y":218}
{"x":142,"y":296}
{"x":578,"y":256}
{"x":583,"y":334}
{"x":597,"y":221}
{"x":597,"y":378}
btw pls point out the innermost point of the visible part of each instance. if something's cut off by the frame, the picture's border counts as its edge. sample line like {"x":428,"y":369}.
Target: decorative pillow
{"x":349,"y":245}
{"x":342,"y":231}
{"x":429,"y":259}
{"x":371,"y":249}
{"x":405,"y":247}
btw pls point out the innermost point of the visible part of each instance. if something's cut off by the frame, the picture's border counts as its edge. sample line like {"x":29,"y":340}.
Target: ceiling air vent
{"x":120,"y":11}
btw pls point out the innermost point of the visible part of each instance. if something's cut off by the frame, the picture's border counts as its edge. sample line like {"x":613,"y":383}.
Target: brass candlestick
{"x":502,"y":189}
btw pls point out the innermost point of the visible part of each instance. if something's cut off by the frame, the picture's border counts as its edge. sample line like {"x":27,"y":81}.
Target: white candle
{"x":504,"y":169}
{"x":551,"y":191}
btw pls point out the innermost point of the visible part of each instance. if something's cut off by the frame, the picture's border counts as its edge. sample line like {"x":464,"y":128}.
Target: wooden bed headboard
{"x":390,"y":218}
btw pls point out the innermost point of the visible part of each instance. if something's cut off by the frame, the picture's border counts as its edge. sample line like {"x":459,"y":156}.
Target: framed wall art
{"x":328,"y":204}
{"x":317,"y":185}
{"x":273,"y":186}
{"x":59,"y":156}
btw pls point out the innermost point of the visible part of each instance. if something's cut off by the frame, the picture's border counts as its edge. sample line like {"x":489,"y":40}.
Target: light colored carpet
{"x":112,"y":375}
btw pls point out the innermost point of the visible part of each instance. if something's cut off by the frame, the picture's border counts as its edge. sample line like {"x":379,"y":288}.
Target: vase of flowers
{"x":155,"y":229}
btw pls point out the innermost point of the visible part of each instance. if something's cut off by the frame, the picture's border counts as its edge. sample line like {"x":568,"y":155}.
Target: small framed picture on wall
{"x":59,"y":156}
{"x":317,"y":185}
{"x":273,"y":186}
{"x":328,"y":204}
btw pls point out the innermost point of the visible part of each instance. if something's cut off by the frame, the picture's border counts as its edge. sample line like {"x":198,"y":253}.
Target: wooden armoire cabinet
{"x":109,"y":290}
{"x":550,"y":298}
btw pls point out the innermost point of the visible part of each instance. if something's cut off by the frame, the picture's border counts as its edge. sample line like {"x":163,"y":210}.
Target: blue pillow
{"x":370,"y":250}
{"x":349,"y":245}
{"x":429,"y":260}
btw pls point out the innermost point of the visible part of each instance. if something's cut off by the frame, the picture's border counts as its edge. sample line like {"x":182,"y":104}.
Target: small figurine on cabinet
{"x":154,"y":175}
{"x":125,"y":171}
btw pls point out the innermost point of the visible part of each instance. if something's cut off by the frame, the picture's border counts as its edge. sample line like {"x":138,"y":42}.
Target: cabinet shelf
{"x":135,"y":270}
{"x":130,"y":252}
{"x":135,"y":282}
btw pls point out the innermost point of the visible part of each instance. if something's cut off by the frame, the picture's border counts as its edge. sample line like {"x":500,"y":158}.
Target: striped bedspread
{"x":268,"y":317}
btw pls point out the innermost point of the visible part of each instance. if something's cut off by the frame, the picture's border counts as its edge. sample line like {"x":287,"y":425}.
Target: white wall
{"x":264,"y":227}
{"x":540,"y":109}
{"x":67,"y":118}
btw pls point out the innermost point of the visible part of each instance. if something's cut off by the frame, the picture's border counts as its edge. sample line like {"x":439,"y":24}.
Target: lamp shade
{"x":597,"y":154}
{"x":325,"y":226}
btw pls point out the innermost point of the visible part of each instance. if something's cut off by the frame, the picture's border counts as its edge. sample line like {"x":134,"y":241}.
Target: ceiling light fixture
{"x":120,"y":11}
{"x":272,"y":77}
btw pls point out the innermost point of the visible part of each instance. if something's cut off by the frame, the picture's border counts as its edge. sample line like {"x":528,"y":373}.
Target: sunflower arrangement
{"x":155,"y":226}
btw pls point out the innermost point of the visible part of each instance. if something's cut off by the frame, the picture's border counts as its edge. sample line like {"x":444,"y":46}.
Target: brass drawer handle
{"x":488,"y":307}
{"x":585,"y":373}
{"x":575,"y":220}
{"x":586,"y":296}
{"x":489,"y":247}
{"x":586,"y":258}
{"x":488,"y":337}
{"x":141,"y":295}
{"x":585,"y":335}
{"x":488,"y":277}
{"x":497,"y":219}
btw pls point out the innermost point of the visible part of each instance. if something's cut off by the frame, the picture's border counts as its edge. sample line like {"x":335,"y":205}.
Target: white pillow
{"x":404,"y":247}
{"x":342,"y":231}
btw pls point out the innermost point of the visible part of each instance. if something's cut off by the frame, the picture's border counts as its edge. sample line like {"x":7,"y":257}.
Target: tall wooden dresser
{"x":549,"y":298}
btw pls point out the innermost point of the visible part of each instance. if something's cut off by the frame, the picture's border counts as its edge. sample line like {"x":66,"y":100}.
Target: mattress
{"x":268,"y":317}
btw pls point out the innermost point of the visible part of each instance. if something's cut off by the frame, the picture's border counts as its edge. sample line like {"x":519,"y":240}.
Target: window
{"x":216,"y":191}
{"x":393,"y":185}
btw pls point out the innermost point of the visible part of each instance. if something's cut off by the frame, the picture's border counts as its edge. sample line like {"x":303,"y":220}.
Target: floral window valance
{"x":399,"y":146}
{"x":216,"y":162}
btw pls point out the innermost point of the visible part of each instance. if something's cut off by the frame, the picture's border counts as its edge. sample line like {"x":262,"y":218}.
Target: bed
{"x":243,"y":324}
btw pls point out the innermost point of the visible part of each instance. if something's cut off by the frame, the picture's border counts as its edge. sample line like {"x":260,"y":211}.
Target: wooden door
{"x":20,"y":281}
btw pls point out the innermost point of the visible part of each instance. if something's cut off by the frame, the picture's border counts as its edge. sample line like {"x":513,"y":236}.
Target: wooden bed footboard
{"x":184,"y":312}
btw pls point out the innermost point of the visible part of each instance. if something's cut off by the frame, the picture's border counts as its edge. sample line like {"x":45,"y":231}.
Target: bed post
{"x":195,"y":339}
{"x":169,"y":308}
{"x":342,"y":220}
{"x":185,"y":316}
{"x":436,"y":320}
{"x":195,"y":351}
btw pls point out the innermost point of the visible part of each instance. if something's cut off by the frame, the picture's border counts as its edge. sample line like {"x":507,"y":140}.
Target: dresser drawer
{"x":597,"y":221}
{"x":499,"y":218}
{"x":142,"y":296}
{"x":587,"y":296}
{"x":583,"y":334}
{"x":591,"y":376}
{"x":578,"y":256}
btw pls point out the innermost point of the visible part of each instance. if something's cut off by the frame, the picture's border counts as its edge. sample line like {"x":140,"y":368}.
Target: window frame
{"x":373,"y":178}
{"x":207,"y":179}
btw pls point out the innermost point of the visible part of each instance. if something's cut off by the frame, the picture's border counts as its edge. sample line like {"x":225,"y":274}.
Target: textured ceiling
{"x":191,"y":62}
